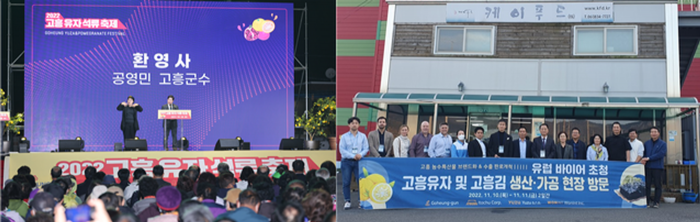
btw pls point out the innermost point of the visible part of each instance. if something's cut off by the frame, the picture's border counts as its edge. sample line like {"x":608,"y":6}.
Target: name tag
{"x":500,"y":149}
{"x":425,"y":149}
{"x":381,"y":148}
{"x":542,"y":154}
{"x":355,"y":150}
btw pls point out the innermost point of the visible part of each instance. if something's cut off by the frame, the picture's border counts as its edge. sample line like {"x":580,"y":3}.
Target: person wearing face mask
{"x":402,"y":143}
{"x":459,"y":147}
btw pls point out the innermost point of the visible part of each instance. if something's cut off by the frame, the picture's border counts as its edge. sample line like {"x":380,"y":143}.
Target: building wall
{"x":529,"y":58}
{"x":361,"y":26}
{"x":552,"y":77}
{"x":623,"y":13}
{"x":524,"y":40}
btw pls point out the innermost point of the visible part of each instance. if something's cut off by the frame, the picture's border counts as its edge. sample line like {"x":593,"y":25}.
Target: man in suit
{"x":170,"y":125}
{"x":130,"y":121}
{"x":499,"y":141}
{"x":477,"y":148}
{"x":380,"y":140}
{"x":544,"y":145}
{"x":521,"y":148}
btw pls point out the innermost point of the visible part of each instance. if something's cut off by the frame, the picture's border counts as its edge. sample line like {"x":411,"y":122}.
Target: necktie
{"x":544,"y":141}
{"x":169,"y":107}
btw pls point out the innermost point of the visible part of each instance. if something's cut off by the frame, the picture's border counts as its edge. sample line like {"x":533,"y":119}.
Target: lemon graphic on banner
{"x":381,"y":193}
{"x":375,"y":188}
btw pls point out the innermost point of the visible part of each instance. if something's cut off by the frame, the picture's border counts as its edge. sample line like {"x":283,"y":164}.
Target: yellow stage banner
{"x":75,"y":163}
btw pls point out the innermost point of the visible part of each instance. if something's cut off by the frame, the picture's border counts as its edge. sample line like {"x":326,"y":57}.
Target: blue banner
{"x":390,"y":183}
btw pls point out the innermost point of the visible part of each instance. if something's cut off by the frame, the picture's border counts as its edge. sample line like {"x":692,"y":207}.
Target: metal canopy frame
{"x":515,"y":100}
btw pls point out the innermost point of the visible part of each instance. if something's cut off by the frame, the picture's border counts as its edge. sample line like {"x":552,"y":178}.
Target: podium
{"x":176,"y":114}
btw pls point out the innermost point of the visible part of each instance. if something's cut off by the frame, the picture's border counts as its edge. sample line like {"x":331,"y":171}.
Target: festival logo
{"x":260,"y":29}
{"x":54,"y":20}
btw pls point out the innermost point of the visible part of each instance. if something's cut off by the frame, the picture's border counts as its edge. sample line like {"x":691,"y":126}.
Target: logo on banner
{"x":632,"y":186}
{"x":260,"y":29}
{"x":54,"y":20}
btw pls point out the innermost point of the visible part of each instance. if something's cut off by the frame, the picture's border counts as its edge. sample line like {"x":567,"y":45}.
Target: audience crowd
{"x":285,"y":195}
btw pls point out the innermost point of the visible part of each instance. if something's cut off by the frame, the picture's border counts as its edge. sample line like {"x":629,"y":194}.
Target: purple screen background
{"x":69,"y":90}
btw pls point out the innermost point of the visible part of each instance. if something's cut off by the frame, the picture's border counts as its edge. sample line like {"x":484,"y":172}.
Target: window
{"x":464,"y":40}
{"x":605,"y":40}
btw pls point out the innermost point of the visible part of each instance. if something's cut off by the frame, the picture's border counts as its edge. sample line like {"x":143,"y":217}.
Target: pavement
{"x":676,"y":212}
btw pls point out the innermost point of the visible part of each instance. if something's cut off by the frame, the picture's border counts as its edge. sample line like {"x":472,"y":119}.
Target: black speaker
{"x":185,"y":144}
{"x":135,"y":145}
{"x":227,"y":144}
{"x":245,"y":146}
{"x":24,"y":147}
{"x":292,"y":144}
{"x":71,"y":145}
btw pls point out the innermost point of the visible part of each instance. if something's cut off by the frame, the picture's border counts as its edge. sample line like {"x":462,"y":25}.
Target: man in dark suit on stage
{"x":477,"y":148}
{"x":544,"y":145}
{"x":522,"y":147}
{"x":499,"y":141}
{"x":130,"y":121}
{"x":170,"y":125}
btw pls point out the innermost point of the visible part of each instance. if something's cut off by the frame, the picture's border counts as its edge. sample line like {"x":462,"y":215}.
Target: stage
{"x":75,"y":163}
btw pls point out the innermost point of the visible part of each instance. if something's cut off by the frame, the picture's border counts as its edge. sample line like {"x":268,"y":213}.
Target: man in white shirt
{"x":479,"y":148}
{"x":637,"y":151}
{"x":353,"y":146}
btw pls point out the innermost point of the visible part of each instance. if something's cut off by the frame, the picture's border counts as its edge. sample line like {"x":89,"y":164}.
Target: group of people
{"x":355,"y":145}
{"x":283,"y":195}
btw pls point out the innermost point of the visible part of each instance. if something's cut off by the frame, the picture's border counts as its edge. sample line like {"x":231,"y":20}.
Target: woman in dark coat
{"x":130,"y":122}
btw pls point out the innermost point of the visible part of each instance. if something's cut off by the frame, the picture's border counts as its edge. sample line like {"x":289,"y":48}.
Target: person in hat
{"x":117,"y":191}
{"x":168,"y":199}
{"x":108,"y":180}
{"x":232,"y":198}
{"x":56,"y":190}
{"x":247,"y":208}
{"x":43,"y":203}
{"x":97,"y":191}
{"x":70,"y":199}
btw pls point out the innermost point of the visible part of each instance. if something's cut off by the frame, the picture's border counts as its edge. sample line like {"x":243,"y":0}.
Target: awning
{"x":515,"y":100}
